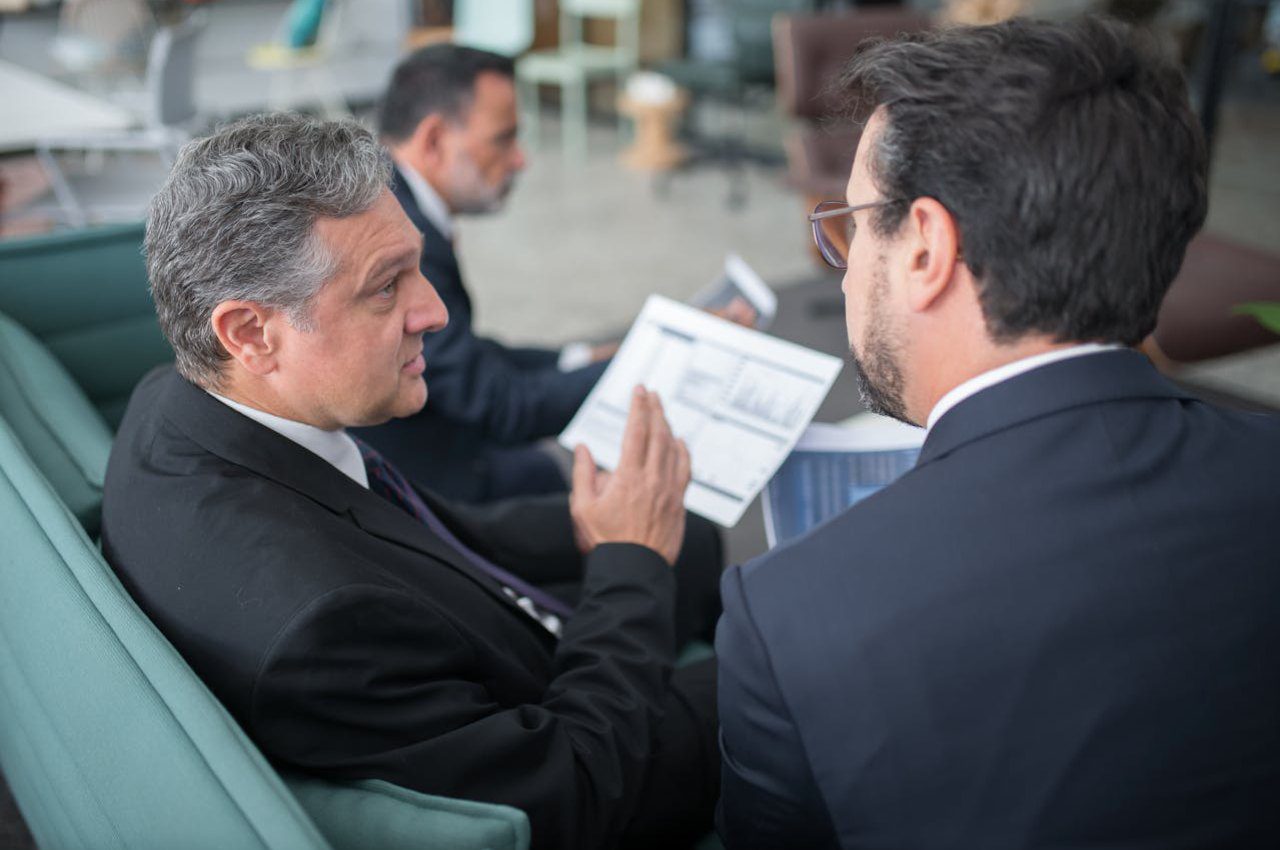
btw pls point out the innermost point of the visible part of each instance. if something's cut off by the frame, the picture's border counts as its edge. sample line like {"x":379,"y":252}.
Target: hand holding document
{"x":737,"y":285}
{"x":641,"y":502}
{"x":738,"y":398}
{"x":834,"y":466}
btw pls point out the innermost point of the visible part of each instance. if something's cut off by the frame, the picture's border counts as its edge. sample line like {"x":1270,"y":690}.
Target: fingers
{"x":660,"y":438}
{"x":741,"y":312}
{"x":684,"y":465}
{"x":635,"y":437}
{"x":584,"y":472}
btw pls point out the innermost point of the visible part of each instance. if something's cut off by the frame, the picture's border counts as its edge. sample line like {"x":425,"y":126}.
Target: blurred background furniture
{"x":299,"y":59}
{"x":809,"y":52}
{"x":168,"y":112}
{"x":733,"y":74}
{"x":37,"y":106}
{"x":574,"y":63}
{"x":1197,"y":321}
{"x":98,"y":41}
{"x":500,"y":26}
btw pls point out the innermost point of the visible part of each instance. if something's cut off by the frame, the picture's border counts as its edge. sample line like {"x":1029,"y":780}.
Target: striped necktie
{"x":388,"y":482}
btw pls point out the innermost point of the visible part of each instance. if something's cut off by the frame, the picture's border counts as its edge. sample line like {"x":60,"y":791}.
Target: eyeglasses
{"x":833,"y":244}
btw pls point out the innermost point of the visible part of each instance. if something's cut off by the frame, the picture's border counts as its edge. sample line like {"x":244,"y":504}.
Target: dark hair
{"x":436,"y":79}
{"x":1067,"y":153}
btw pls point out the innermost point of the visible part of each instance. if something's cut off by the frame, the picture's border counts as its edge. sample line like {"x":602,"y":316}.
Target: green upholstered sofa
{"x":108,"y":738}
{"x":83,"y":293}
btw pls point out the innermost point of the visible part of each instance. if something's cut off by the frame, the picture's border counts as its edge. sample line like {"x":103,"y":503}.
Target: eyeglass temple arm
{"x":838,"y":211}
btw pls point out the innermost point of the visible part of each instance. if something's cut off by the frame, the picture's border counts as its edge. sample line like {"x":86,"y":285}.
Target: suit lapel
{"x":1078,"y":381}
{"x":239,"y":440}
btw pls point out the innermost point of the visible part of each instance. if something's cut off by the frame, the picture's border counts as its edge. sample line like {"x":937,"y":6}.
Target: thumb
{"x":584,"y":473}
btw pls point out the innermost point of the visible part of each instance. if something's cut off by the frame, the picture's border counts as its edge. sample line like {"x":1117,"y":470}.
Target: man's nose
{"x":518,"y":159}
{"x":427,"y":312}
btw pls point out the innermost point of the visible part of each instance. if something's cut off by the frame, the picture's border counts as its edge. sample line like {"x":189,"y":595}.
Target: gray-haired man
{"x":356,"y":626}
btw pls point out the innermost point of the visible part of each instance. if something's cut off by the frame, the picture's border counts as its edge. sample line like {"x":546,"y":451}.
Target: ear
{"x":933,"y":243}
{"x":429,"y":141}
{"x":246,"y":330}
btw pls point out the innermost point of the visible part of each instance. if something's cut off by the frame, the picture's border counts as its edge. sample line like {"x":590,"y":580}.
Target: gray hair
{"x":235,"y":220}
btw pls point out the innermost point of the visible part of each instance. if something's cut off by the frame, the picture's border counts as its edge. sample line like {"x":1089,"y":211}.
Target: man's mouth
{"x":416,"y":366}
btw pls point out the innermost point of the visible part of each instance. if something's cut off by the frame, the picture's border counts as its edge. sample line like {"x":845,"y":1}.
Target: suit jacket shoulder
{"x":1063,"y":552}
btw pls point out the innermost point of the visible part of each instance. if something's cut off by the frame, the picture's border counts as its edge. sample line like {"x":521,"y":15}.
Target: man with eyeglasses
{"x":1058,"y":629}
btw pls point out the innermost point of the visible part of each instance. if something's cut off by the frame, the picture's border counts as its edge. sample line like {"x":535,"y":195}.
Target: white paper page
{"x":737,"y":397}
{"x":862,"y":432}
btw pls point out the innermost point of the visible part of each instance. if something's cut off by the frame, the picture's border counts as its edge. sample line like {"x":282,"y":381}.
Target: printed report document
{"x":739,"y":398}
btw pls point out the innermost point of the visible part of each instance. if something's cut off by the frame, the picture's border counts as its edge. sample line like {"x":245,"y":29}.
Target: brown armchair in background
{"x":809,"y":52}
{"x":1196,"y":320}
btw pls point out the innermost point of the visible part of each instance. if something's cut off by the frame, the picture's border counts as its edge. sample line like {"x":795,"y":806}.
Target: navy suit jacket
{"x":1058,"y":630}
{"x":480,"y":393}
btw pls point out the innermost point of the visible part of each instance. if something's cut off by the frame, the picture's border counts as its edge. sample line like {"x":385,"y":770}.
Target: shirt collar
{"x":428,"y":200}
{"x":995,"y":376}
{"x":335,"y":447}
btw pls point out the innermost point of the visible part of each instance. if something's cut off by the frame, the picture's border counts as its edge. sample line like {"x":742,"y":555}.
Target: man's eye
{"x":850,"y":228}
{"x":389,"y":289}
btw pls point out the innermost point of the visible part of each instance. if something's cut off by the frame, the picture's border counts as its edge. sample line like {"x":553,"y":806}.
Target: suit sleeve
{"x":379,"y":682}
{"x":506,"y":395}
{"x":768,"y":796}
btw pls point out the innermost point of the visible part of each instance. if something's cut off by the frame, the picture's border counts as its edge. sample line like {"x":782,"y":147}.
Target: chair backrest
{"x":63,"y":433}
{"x":811,"y":50}
{"x":500,"y":26}
{"x":83,"y":294}
{"x":109,"y":740}
{"x":624,"y":13}
{"x":171,"y":73}
{"x":752,"y":42}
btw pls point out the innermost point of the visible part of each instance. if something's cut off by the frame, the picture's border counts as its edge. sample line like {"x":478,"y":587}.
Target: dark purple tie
{"x":386,"y":481}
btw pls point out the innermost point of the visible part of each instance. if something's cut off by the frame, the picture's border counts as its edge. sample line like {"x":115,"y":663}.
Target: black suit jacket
{"x":351,"y":642}
{"x":1058,"y":630}
{"x":481,"y":393}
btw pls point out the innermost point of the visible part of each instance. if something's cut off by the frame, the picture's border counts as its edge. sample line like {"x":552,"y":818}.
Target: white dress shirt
{"x":428,"y":200}
{"x":978,"y":383}
{"x":336,"y":447}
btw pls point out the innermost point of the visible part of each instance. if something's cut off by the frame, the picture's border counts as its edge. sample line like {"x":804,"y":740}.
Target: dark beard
{"x":883,"y":394}
{"x":878,"y":373}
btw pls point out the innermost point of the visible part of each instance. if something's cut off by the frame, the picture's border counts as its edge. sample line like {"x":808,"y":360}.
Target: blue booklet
{"x":834,"y":466}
